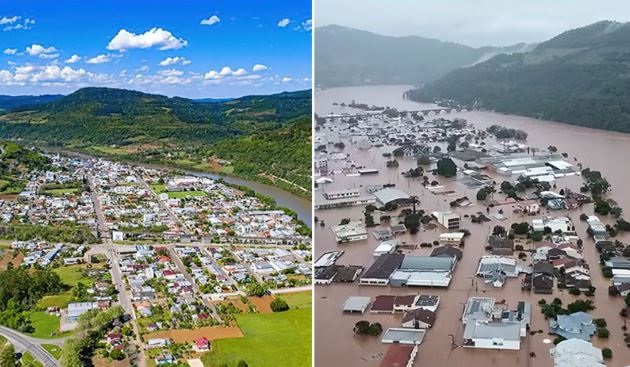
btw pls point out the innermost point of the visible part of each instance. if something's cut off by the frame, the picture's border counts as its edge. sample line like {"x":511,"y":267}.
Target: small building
{"x":448,"y":219}
{"x":492,"y":335}
{"x":392,"y":196}
{"x":447,"y":251}
{"x":356,"y":304}
{"x":452,"y":237}
{"x":385,"y":247}
{"x":418,"y":319}
{"x":578,"y":325}
{"x":403,"y":336}
{"x":353,"y":231}
{"x":383,"y":304}
{"x":381,"y":270}
{"x":75,"y":310}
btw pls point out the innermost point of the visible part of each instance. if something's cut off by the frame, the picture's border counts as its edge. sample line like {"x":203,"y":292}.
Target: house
{"x":383,"y":304}
{"x":164,"y":359}
{"x":424,"y":271}
{"x":492,"y":335}
{"x":447,"y":251}
{"x":404,"y":303}
{"x":158,"y":343}
{"x":428,"y":302}
{"x":381,"y":270}
{"x":385,"y":247}
{"x":202,"y":344}
{"x":501,"y":246}
{"x":496,"y":269}
{"x":578,"y":325}
{"x":403,"y":336}
{"x":356,"y":304}
{"x":576,"y":352}
{"x":418,"y":319}
{"x":542,"y":284}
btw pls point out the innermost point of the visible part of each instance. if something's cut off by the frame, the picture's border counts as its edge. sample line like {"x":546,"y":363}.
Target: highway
{"x":24,"y":343}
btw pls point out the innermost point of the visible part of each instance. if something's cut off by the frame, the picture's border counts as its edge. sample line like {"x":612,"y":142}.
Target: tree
{"x":607,"y":353}
{"x":499,"y":231}
{"x":279,"y":305}
{"x":412,"y":222}
{"x":7,"y":356}
{"x":520,"y":228}
{"x":446,"y":167}
{"x":361,"y":327}
{"x":257,"y":289}
{"x":117,"y":355}
{"x":242,"y":363}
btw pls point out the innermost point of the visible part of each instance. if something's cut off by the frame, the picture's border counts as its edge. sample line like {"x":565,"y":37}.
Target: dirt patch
{"x":104,"y":362}
{"x":9,"y":258}
{"x":187,"y":335}
{"x":263,"y":304}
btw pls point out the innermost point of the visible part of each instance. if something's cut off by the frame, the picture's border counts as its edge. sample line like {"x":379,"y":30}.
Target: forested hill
{"x":580,"y":77}
{"x":348,"y":57}
{"x":133,"y":124}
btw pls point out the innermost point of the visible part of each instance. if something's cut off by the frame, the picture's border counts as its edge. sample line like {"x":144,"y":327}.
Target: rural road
{"x":24,"y":343}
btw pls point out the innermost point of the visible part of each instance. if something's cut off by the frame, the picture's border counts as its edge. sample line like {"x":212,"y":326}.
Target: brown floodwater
{"x":335,"y":342}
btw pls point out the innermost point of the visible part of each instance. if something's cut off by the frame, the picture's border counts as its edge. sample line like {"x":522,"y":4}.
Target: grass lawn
{"x":29,"y":360}
{"x":61,"y":192}
{"x":158,"y":188}
{"x":72,"y":275}
{"x":276,"y":339}
{"x":59,"y":300}
{"x":298,"y":299}
{"x":46,"y":326}
{"x":54,"y":350}
{"x":183,"y":194}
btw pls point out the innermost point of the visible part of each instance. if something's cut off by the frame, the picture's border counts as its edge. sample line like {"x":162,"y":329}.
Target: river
{"x":335,"y":343}
{"x":283,"y":198}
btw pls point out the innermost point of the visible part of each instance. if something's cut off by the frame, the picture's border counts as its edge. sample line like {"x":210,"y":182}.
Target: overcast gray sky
{"x":471,"y":22}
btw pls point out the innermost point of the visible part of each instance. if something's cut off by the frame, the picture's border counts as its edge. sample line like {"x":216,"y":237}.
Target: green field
{"x":46,"y":326}
{"x":61,"y":192}
{"x":298,"y":299}
{"x":183,"y":194}
{"x":54,"y":350}
{"x":277,"y":339}
{"x":72,"y":275}
{"x":59,"y":300}
{"x":158,"y":188}
{"x":29,"y":360}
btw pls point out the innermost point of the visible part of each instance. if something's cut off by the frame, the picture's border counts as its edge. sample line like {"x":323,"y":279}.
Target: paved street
{"x":24,"y":343}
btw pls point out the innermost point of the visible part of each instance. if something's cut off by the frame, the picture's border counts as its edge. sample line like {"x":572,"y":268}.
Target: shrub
{"x":607,"y":353}
{"x":602,"y":332}
{"x":279,"y":305}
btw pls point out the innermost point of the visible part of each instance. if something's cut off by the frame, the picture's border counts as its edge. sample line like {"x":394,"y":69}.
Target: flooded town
{"x":465,"y":236}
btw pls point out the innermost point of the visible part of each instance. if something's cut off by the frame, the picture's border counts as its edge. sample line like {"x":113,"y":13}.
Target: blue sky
{"x":189,"y":48}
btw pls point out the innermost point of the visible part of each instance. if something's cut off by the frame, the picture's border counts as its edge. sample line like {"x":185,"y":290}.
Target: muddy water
{"x":335,"y":343}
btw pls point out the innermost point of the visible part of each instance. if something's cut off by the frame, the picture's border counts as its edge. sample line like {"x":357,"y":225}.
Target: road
{"x":24,"y":343}
{"x":109,"y":249}
{"x":163,"y":205}
{"x":184,"y":271}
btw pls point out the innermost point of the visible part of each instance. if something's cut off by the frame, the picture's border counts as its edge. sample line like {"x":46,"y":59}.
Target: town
{"x":440,"y":242}
{"x":169,"y":259}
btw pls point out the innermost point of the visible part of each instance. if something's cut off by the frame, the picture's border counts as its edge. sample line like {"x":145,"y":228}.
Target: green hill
{"x":348,"y":57}
{"x":580,"y":77}
{"x":175,"y":131}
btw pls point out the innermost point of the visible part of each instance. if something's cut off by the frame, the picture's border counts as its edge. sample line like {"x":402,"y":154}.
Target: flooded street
{"x":335,"y":342}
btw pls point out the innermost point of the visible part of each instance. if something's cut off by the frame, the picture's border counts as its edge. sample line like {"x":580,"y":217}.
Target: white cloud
{"x":170,"y":72}
{"x":9,"y":20}
{"x":307,"y":25}
{"x":226,"y":72}
{"x":42,"y":52}
{"x":48,"y":75}
{"x":100,"y":59}
{"x":284,"y":22}
{"x":73,"y":59}
{"x":174,"y":61}
{"x":210,"y":21}
{"x":155,"y":37}
{"x":286,"y":79}
{"x":14,"y":23}
{"x":259,"y":67}
{"x":212,"y":74}
{"x":10,"y":51}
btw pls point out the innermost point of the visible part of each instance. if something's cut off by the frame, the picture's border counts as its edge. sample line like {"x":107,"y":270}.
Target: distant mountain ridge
{"x":350,"y":57}
{"x":11,"y":102}
{"x":150,"y":127}
{"x":580,"y":77}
